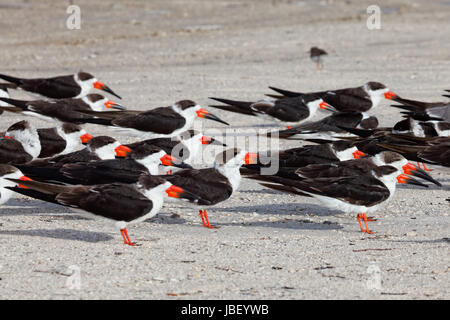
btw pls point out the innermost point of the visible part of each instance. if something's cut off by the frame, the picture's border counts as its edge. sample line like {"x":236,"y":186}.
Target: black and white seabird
{"x":144,"y":159}
{"x":163,"y":122}
{"x":64,"y":110}
{"x":328,"y":128}
{"x":98,"y":148}
{"x":216,"y":184}
{"x":359,"y":99}
{"x":360,"y":194}
{"x":62,"y":139}
{"x":20,"y":143}
{"x":291,"y":159}
{"x":290,"y":110}
{"x":75,"y":85}
{"x":119,"y":203}
{"x":9,"y":172}
{"x":427,"y":110}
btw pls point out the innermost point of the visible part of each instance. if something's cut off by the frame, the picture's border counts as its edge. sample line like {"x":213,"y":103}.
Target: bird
{"x":357,"y":99}
{"x":20,"y":143}
{"x":119,"y":203}
{"x":75,"y":85}
{"x":359,"y":193}
{"x":351,"y":167}
{"x":143,"y":159}
{"x":9,"y":171}
{"x":62,"y":139}
{"x":329,"y":128}
{"x":290,"y":110}
{"x":428,"y":110}
{"x":216,"y":184}
{"x":316,"y":55}
{"x":292,"y":159}
{"x":98,"y":148}
{"x":64,"y":110}
{"x":162,"y":122}
{"x":184,"y":147}
{"x":430,"y":150}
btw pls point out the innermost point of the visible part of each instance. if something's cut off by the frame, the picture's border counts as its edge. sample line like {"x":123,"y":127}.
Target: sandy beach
{"x":269,"y":245}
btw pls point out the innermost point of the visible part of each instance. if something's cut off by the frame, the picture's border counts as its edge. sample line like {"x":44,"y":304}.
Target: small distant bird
{"x":316,"y":55}
{"x":75,"y":85}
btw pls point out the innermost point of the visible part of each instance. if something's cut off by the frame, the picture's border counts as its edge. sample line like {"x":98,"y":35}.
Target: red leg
{"x":358,"y":217}
{"x":126,"y":238}
{"x":365,"y":222}
{"x":207,"y":225}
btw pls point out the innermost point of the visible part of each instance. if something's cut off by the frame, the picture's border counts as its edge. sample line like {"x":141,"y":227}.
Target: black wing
{"x":56,"y":88}
{"x":208,"y":184}
{"x":12,"y":151}
{"x":162,"y":120}
{"x":115,"y":201}
{"x":51,"y":142}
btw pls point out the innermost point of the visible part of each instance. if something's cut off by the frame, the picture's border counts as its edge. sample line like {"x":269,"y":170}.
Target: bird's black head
{"x":70,"y":128}
{"x":20,"y":126}
{"x":100,"y":141}
{"x":94,"y":97}
{"x":372,"y":85}
{"x":84,"y":76}
{"x":148,"y":182}
{"x":342,"y":145}
{"x":185,"y":104}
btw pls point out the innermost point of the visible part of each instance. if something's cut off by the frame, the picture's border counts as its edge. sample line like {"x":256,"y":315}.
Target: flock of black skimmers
{"x":352,"y":164}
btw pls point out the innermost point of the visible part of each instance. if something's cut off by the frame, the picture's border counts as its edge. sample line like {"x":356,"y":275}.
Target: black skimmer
{"x":300,"y":157}
{"x":427,"y":110}
{"x":350,"y":168}
{"x":291,"y":110}
{"x":75,"y":85}
{"x":20,"y":143}
{"x":62,"y":139}
{"x":8,"y":171}
{"x":360,"y":193}
{"x":163,"y":122}
{"x":359,"y":99}
{"x":64,"y":110}
{"x":98,"y":148}
{"x":119,"y":203}
{"x":316,"y":54}
{"x":144,"y":159}
{"x":329,"y":128}
{"x":185,"y":147}
{"x":430,"y":150}
{"x":216,"y":184}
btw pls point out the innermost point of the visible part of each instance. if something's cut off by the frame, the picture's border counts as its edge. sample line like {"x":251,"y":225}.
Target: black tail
{"x":234,"y":106}
{"x":35,"y":194}
{"x":358,"y":132}
{"x":14,"y":80}
{"x":282,"y":188}
{"x":22,"y":104}
{"x":287,"y":93}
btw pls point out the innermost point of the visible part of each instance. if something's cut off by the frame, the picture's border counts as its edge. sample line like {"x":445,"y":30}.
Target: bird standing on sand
{"x":316,"y":55}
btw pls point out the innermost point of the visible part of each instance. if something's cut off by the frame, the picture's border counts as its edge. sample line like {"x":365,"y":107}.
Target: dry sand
{"x":269,"y":245}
